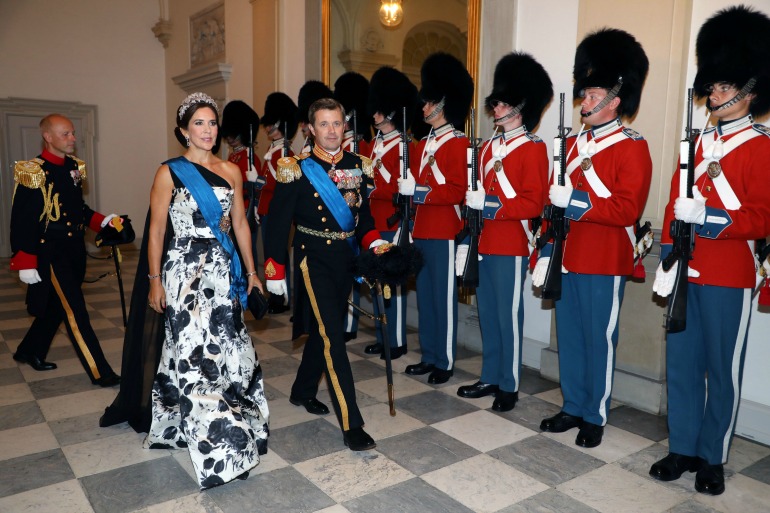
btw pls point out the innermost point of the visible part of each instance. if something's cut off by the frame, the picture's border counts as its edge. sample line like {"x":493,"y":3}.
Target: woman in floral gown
{"x":208,"y":393}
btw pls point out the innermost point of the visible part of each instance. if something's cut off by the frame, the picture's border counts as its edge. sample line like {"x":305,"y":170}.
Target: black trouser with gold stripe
{"x":65,"y":302}
{"x":327,"y":281}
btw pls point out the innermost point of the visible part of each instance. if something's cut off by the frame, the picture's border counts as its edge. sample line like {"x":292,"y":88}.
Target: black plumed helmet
{"x":733,"y":46}
{"x":606,"y":56}
{"x":389,"y":92}
{"x":310,"y":91}
{"x":279,"y":108}
{"x":352,"y":90}
{"x":236,"y":120}
{"x":520,"y":78}
{"x":444,"y":76}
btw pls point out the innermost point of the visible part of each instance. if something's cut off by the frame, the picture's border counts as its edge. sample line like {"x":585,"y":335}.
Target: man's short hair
{"x":45,"y":123}
{"x":324,"y":104}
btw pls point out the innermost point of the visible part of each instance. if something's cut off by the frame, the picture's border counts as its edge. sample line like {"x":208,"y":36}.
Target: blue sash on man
{"x":209,"y":206}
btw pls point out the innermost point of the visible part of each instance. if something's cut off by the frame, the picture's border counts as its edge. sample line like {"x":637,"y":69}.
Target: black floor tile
{"x":640,"y":423}
{"x":424,"y":450}
{"x":25,"y":473}
{"x":407,"y":497}
{"x":20,"y":415}
{"x":305,"y":441}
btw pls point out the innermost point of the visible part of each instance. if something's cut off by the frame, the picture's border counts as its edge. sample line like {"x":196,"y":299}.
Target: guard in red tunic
{"x":512,"y":190}
{"x":729,"y":208}
{"x":438,"y":183}
{"x":610,"y":170}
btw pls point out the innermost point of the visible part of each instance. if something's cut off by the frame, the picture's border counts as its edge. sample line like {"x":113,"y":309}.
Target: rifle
{"x":473,"y":221}
{"x":402,"y":203}
{"x":682,"y":234}
{"x":355,"y":131}
{"x":285,"y":152}
{"x":250,"y":213}
{"x":558,"y":225}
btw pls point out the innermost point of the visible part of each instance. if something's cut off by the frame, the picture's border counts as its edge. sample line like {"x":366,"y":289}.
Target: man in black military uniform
{"x":324,"y":193}
{"x":48,"y":221}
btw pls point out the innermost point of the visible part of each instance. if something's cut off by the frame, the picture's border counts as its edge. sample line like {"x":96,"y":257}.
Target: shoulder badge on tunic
{"x":459,"y":133}
{"x":366,"y":166}
{"x":633,"y":134}
{"x":288,"y":169}
{"x":81,"y":167}
{"x":29,"y":173}
{"x":762,"y":129}
{"x":533,"y":137}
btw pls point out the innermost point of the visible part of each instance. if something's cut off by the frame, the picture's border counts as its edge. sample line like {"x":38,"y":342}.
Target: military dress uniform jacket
{"x":608,"y":198}
{"x":722,"y":252}
{"x":268,"y":174}
{"x":515,"y":170}
{"x":386,"y":161}
{"x":440,"y":162}
{"x":48,"y":217}
{"x":241,"y":159}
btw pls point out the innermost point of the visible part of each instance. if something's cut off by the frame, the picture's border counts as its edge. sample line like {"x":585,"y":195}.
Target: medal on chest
{"x":714,"y":169}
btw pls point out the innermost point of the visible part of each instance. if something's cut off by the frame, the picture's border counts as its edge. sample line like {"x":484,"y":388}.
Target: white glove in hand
{"x":377,"y":242}
{"x":766,"y":265}
{"x":541,"y":269}
{"x":691,"y":210}
{"x":277,"y":287}
{"x":107,"y":219}
{"x":460,"y":258}
{"x":406,"y":185}
{"x":29,"y":276}
{"x":251,"y":174}
{"x":475,"y":199}
{"x":644,"y":245}
{"x":664,"y":281}
{"x":560,"y":194}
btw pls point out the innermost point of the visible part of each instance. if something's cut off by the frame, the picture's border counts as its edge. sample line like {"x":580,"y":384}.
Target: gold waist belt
{"x":325,"y":235}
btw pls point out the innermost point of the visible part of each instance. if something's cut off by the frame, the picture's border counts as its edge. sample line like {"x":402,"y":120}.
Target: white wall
{"x":101,"y":53}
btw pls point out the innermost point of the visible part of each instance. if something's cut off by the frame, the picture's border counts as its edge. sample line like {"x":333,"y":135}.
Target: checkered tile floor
{"x":439,"y":453}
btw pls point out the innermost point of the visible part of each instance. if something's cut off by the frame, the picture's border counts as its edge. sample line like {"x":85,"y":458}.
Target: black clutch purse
{"x":257,"y":303}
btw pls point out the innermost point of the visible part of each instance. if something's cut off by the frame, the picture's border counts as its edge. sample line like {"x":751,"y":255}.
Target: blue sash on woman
{"x":209,"y":206}
{"x":331,"y":196}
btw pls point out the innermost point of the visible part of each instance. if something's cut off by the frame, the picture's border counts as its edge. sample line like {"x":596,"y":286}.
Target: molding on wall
{"x":752,"y":421}
{"x":200,"y":77}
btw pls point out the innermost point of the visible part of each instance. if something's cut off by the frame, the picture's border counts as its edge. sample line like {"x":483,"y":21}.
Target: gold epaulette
{"x":366,"y":166}
{"x":29,"y":173}
{"x":81,"y":167}
{"x":288,"y":169}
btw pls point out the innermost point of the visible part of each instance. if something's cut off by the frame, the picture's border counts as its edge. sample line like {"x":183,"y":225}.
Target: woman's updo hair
{"x":186,"y":111}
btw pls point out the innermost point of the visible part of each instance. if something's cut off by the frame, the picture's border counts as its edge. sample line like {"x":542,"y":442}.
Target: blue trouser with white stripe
{"x":501,"y":314}
{"x":704,"y":368}
{"x":395,"y":310}
{"x":437,"y":302}
{"x":587,"y":329}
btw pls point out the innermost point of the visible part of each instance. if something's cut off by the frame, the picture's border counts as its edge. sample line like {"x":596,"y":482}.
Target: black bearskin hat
{"x":311,"y":91}
{"x":605,"y":56}
{"x":351,"y":90}
{"x":389,"y":92}
{"x":111,"y":236}
{"x":733,"y":46}
{"x":520,"y":78}
{"x":443,"y":76}
{"x":280,"y":108}
{"x":391,"y":267}
{"x":236,"y":120}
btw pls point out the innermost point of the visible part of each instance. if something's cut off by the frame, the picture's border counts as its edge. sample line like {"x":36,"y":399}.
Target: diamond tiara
{"x":196,"y":98}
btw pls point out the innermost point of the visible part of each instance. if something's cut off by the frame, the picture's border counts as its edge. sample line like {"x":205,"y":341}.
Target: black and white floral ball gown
{"x":208,"y":393}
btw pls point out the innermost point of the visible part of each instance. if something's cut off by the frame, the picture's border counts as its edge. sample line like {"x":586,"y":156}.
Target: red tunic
{"x":241,"y":158}
{"x":268,"y":173}
{"x":386,"y":159}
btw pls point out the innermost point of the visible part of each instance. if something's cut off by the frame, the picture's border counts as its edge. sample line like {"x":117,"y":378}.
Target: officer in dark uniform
{"x":324,"y":194}
{"x":48,"y":221}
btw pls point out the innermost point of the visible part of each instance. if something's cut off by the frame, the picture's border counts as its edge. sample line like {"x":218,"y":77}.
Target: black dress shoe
{"x":356,"y":439}
{"x":476,"y":390}
{"x":350,"y":335}
{"x":312,"y":405}
{"x":710,"y":479}
{"x":673,"y":466}
{"x":419,"y":369}
{"x":395,"y":353}
{"x":590,"y":435}
{"x":439,"y":376}
{"x":110,"y":380}
{"x":560,"y":423}
{"x":36,"y":363}
{"x":505,"y":401}
{"x":373,"y":348}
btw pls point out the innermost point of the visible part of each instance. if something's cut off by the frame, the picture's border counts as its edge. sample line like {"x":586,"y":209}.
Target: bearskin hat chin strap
{"x":386,"y":119}
{"x":738,"y":97}
{"x":436,"y":111}
{"x":607,"y":99}
{"x":515,"y":112}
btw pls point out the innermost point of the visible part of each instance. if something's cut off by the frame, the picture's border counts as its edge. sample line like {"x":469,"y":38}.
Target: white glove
{"x":691,"y":210}
{"x":378,"y":242}
{"x":475,"y":199}
{"x":766,"y":265}
{"x":644,"y":245}
{"x":541,"y":269}
{"x":560,"y":194}
{"x":664,"y":280}
{"x":460,"y":258}
{"x":277,"y":287}
{"x":107,"y":219}
{"x":251,"y":174}
{"x":29,"y":276}
{"x":398,"y":234}
{"x":406,"y":185}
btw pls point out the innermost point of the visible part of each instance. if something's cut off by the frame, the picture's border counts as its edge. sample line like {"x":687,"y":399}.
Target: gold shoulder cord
{"x":366,"y":166}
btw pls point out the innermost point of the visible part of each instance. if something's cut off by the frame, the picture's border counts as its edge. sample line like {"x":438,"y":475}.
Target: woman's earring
{"x":187,"y":138}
